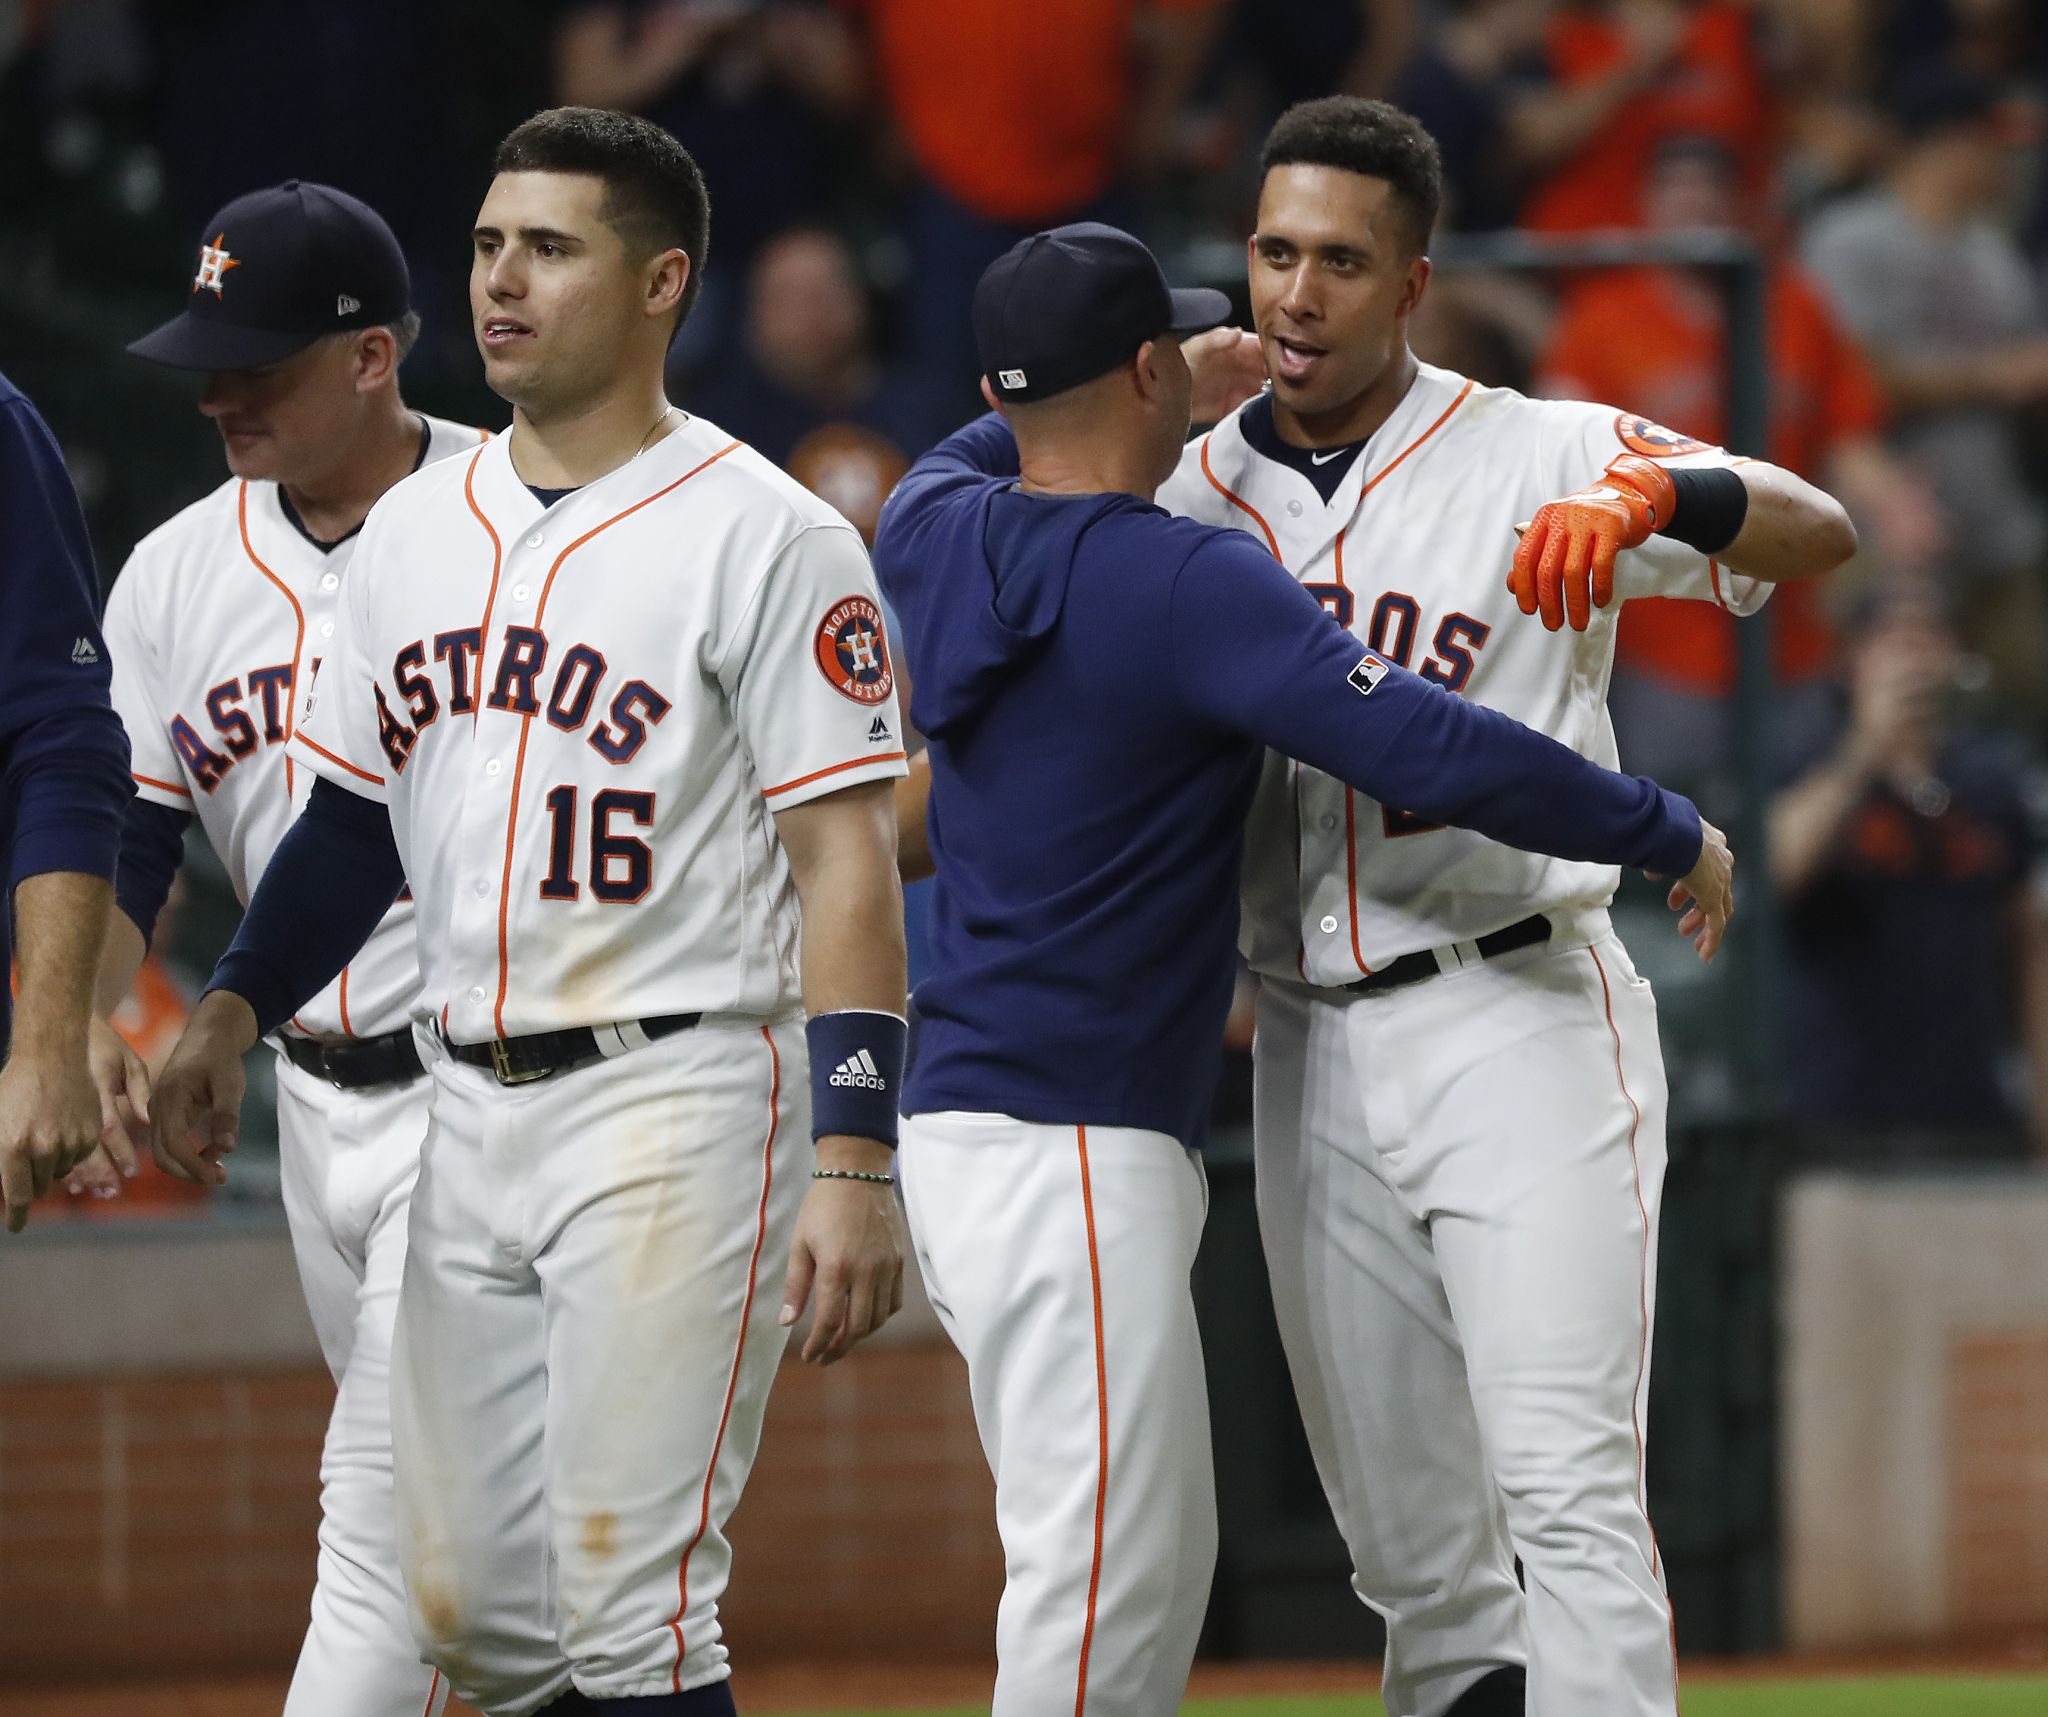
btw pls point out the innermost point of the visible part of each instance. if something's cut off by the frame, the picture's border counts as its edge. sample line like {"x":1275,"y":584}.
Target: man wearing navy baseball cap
{"x":1099,"y":683}
{"x":297,"y":314}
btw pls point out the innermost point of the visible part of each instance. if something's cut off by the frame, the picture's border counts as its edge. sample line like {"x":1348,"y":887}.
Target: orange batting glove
{"x":1564,"y":564}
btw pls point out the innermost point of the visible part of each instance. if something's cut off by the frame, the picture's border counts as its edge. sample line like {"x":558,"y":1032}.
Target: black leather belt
{"x":1413,"y":968}
{"x":521,"y":1060}
{"x":393,"y":1059}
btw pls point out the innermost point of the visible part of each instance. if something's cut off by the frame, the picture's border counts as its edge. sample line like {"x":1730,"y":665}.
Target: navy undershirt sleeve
{"x":326,"y":889}
{"x":1257,"y":654}
{"x":152,"y":847}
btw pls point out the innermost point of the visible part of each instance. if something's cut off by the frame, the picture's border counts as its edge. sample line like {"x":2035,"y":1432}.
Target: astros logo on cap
{"x":852,"y":652}
{"x":1653,"y":440}
{"x":214,"y":262}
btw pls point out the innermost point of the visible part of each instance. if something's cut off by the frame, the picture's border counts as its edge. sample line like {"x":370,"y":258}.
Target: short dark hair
{"x":1370,"y":137}
{"x":654,"y":194}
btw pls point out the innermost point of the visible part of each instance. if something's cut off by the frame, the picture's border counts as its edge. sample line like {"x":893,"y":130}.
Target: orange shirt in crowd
{"x":1651,"y":342}
{"x":1713,"y":88}
{"x":1016,"y":110}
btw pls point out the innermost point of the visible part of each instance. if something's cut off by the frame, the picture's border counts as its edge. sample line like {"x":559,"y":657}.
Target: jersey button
{"x":1329,"y":823}
{"x":519,"y":593}
{"x":477,"y":994}
{"x":330,"y":582}
{"x":534,"y":541}
{"x":482,"y":886}
{"x":1294,"y":509}
{"x":327,"y":628}
{"x":492,"y":767}
{"x":1329,"y":926}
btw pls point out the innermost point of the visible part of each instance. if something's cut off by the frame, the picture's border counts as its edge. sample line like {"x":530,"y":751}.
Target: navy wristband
{"x":1709,"y":509}
{"x":856,"y":1073}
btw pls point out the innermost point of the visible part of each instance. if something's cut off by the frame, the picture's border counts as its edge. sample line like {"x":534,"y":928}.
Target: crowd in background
{"x":867,"y":158}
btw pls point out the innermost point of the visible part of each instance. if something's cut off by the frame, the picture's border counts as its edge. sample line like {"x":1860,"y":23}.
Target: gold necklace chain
{"x":667,"y":412}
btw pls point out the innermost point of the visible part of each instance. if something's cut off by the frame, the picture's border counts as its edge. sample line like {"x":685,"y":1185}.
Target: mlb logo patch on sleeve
{"x":1369,"y":672}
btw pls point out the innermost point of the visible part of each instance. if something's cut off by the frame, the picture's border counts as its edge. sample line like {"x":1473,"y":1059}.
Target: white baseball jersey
{"x":1412,"y":554}
{"x":583,"y":717}
{"x":216,"y":626}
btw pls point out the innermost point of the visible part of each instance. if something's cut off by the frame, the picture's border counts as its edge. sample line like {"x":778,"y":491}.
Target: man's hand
{"x":1228,"y":368}
{"x":1706,"y":895}
{"x":197,"y":1109}
{"x":123,"y":1086}
{"x":49,"y":1123}
{"x":849,"y":1246}
{"x":1564,"y":564}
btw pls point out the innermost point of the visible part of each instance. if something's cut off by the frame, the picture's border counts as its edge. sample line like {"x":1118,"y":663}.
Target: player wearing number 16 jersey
{"x":1460,"y":1098}
{"x":613,"y":694}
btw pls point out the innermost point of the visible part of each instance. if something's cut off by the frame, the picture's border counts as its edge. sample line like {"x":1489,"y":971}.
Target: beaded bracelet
{"x":853,"y":1174}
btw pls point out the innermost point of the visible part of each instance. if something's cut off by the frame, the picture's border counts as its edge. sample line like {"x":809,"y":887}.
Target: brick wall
{"x":1998,"y":1483}
{"x":168,"y":1523}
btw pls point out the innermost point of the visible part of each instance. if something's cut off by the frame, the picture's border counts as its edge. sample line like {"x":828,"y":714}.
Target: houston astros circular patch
{"x":852,"y":652}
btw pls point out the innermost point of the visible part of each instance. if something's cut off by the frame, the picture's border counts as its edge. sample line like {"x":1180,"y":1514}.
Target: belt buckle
{"x":501,"y":1067}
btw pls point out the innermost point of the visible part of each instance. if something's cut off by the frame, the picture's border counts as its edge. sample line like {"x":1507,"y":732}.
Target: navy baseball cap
{"x":1063,"y":307}
{"x":278,"y":269}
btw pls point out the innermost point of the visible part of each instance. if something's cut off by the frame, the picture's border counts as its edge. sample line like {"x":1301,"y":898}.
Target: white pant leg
{"x":469,"y":1403}
{"x":1377,"y":1368}
{"x":1059,"y":1259}
{"x":663,"y":1215}
{"x":349,"y":1160}
{"x":1538,"y":1156}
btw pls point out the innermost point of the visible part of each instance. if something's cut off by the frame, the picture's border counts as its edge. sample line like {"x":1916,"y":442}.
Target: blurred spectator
{"x":1654,"y":341}
{"x":1907,"y":859}
{"x":1018,"y":117}
{"x":806,"y":359}
{"x":1317,"y":47}
{"x":852,"y":469}
{"x":1641,"y":71}
{"x":1940,"y":295}
{"x":753,"y":88}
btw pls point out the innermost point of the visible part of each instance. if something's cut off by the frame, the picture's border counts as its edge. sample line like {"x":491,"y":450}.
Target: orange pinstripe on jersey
{"x":526,"y":721}
{"x":1101,"y":1425}
{"x":832,"y":769}
{"x":298,"y":635}
{"x":1239,"y":502}
{"x":732,"y":1382}
{"x":1350,"y":807}
{"x":161,"y":786}
{"x":340,"y":762}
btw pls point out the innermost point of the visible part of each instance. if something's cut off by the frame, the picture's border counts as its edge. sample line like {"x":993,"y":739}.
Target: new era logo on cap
{"x":1012,"y":378}
{"x":860,"y":1071}
{"x":347,"y":306}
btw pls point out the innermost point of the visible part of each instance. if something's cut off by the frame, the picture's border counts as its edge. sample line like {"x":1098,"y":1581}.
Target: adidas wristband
{"x":856,"y":1073}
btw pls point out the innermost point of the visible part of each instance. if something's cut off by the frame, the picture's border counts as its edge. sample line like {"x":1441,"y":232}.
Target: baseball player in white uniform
{"x":299,"y":316}
{"x":613,"y":694}
{"x":1460,"y":1098}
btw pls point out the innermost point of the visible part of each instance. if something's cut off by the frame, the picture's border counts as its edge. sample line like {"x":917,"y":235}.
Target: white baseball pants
{"x":1458,"y":1187}
{"x":1058,"y":1260}
{"x":586,"y":1339}
{"x":348,"y":1160}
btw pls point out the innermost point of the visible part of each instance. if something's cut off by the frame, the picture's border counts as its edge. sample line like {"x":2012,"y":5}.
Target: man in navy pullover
{"x":1099,"y":683}
{"x":63,"y":783}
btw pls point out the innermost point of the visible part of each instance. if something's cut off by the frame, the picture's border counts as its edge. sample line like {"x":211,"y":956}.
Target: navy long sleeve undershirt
{"x":152,"y":848}
{"x":326,"y":889}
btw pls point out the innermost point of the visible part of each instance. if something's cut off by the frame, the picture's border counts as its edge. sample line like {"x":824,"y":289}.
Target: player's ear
{"x":668,"y":275}
{"x":1150,"y":382}
{"x":375,"y":358}
{"x":1415,"y":284}
{"x":988,"y":393}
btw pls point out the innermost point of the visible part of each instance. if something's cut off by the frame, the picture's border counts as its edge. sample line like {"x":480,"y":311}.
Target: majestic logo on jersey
{"x":214,"y":263}
{"x":513,"y":683}
{"x":852,"y":652}
{"x":1653,"y":440}
{"x":1368,"y":674}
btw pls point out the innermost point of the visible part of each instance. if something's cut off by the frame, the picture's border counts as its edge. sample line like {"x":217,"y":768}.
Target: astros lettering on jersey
{"x":217,"y":626}
{"x":1411,"y":553}
{"x":571,"y":712}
